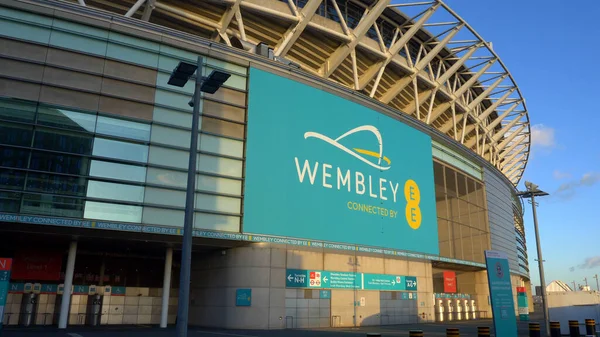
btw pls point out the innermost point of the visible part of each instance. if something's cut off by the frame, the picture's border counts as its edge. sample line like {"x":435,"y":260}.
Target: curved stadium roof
{"x":420,"y":58}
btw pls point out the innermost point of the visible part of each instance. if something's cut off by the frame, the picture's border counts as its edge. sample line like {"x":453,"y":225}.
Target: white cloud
{"x":568,"y":189}
{"x":542,"y":136}
{"x":559,"y":175}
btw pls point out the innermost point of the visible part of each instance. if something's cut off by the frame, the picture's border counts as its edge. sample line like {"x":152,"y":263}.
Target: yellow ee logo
{"x":413,"y":198}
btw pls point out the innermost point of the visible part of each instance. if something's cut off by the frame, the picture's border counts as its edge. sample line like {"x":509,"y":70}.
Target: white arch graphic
{"x":335,"y":142}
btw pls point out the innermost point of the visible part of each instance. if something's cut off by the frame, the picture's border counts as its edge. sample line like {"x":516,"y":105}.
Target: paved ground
{"x":433,"y":329}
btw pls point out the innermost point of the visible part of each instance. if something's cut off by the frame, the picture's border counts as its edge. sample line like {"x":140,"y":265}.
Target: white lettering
{"x":306,"y":167}
{"x":394,"y":190}
{"x":360,"y":183}
{"x":326,"y":175}
{"x":382,"y":188}
{"x":371,"y":188}
{"x":343,"y":179}
{"x":3,"y":264}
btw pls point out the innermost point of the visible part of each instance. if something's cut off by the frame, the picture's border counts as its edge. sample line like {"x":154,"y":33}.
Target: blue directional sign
{"x":299,"y":278}
{"x":243,"y":297}
{"x":384,"y":282}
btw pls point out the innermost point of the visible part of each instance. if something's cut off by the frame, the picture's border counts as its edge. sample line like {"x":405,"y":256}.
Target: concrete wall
{"x":262,"y":268}
{"x":571,"y":298}
{"x":476,"y":284}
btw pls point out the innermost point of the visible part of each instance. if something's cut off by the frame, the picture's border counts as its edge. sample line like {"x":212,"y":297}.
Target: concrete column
{"x":66,"y":297}
{"x":164,"y":313}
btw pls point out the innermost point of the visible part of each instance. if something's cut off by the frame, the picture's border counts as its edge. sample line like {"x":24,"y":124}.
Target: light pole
{"x":210,"y":84}
{"x":532,"y":192}
{"x":597,"y":285}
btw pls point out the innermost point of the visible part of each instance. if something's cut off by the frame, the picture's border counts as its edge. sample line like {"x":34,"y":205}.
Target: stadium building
{"x":351,"y":171}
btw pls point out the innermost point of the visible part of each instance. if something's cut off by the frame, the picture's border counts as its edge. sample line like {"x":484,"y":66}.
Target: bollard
{"x":554,"y":329}
{"x":415,"y":333}
{"x":590,"y":327}
{"x":483,"y":331}
{"x":574,"y":328}
{"x":452,"y":332}
{"x":534,"y":330}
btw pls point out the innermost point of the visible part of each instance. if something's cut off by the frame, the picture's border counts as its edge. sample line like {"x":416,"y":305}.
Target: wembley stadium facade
{"x":351,"y":171}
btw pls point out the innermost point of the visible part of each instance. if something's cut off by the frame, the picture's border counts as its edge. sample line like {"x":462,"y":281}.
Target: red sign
{"x":521,"y":290}
{"x":449,"y":282}
{"x":37,"y":266}
{"x":5,"y":263}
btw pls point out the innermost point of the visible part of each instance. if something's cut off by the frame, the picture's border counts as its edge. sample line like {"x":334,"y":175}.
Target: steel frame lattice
{"x":431,"y":65}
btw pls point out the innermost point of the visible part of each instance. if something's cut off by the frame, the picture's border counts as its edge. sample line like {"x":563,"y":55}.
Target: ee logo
{"x":413,"y":198}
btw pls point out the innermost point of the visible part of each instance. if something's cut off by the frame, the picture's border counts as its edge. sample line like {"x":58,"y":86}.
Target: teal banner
{"x":299,"y":278}
{"x":322,"y":167}
{"x":522,"y":304}
{"x":501,"y":294}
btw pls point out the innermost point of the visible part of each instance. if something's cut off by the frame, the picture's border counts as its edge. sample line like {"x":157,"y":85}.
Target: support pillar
{"x":164,"y":313}
{"x":66,"y":297}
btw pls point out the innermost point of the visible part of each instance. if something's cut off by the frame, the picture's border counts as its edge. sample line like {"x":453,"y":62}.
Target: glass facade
{"x":81,"y":164}
{"x":463,"y":229}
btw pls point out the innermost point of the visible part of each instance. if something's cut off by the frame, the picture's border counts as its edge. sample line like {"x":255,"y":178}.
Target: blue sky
{"x":549,"y":49}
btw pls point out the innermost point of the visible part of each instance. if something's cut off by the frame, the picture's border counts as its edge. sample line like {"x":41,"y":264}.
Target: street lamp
{"x":532,"y":192}
{"x":209,"y":84}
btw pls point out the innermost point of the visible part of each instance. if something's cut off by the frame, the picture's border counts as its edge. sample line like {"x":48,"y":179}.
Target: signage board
{"x":501,"y":294}
{"x":243,"y":297}
{"x":522,"y":304}
{"x":5,"y":268}
{"x":299,"y":278}
{"x":33,"y":265}
{"x":332,"y":169}
{"x":449,"y":281}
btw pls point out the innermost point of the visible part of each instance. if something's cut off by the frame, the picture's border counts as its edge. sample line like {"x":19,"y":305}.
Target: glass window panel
{"x":17,"y":111}
{"x":457,"y":246}
{"x":12,"y":179}
{"x":172,"y":117}
{"x":211,"y":108}
{"x":450,"y":181}
{"x":166,"y":177}
{"x":66,"y":119}
{"x":472,"y":194}
{"x":453,"y":214}
{"x":461,"y":185}
{"x":224,"y":146}
{"x":218,"y":203}
{"x":467,"y":243}
{"x":52,"y":205}
{"x":463,"y":209}
{"x":224,"y":166}
{"x":479,"y":193}
{"x":10,"y":202}
{"x":56,"y":184}
{"x":169,"y":157}
{"x":122,"y":128}
{"x":59,"y":163}
{"x":12,"y":157}
{"x":120,"y":150}
{"x":159,"y":196}
{"x":63,"y":141}
{"x":166,"y":217}
{"x":442,"y":207}
{"x":15,"y":134}
{"x":169,"y":136}
{"x":218,"y":185}
{"x":438,"y":177}
{"x":114,"y":191}
{"x":112,"y":212}
{"x":444,"y":238}
{"x":106,"y":169}
{"x":220,"y":127}
{"x":230,"y":96}
{"x":217,"y":222}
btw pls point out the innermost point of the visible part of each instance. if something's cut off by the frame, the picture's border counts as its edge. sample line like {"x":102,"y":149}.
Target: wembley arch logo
{"x":357,"y":152}
{"x":377,"y":185}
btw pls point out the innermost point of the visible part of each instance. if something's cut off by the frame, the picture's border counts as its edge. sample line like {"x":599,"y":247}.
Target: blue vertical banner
{"x":503,"y":305}
{"x":5,"y":267}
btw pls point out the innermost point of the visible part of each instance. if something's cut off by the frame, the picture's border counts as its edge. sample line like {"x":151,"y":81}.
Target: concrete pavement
{"x":467,"y":328}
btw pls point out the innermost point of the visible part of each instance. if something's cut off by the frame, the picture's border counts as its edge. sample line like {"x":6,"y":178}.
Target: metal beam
{"x":399,"y":86}
{"x":496,"y":121}
{"x":150,"y":5}
{"x":484,"y":115}
{"x":395,"y":48}
{"x":496,"y":137}
{"x":340,"y":54}
{"x":134,"y":8}
{"x":295,"y":30}
{"x":507,"y":140}
{"x":226,"y":19}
